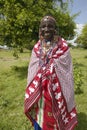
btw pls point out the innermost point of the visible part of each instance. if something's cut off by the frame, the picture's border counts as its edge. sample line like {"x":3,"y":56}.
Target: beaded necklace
{"x":46,"y":52}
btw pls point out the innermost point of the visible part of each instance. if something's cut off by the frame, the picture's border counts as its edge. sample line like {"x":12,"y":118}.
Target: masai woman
{"x":49,"y":97}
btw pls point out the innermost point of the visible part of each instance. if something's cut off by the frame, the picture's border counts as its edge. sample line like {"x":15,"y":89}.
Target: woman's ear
{"x":55,"y":35}
{"x":40,"y":35}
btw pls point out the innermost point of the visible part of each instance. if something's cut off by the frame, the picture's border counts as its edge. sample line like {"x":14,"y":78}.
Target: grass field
{"x":13,"y":78}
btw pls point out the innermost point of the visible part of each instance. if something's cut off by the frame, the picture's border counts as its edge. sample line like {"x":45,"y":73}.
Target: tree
{"x":20,"y":20}
{"x":82,"y":39}
{"x":65,"y":23}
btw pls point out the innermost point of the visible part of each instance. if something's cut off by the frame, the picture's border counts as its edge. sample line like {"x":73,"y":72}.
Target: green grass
{"x":13,"y":79}
{"x":81,"y":99}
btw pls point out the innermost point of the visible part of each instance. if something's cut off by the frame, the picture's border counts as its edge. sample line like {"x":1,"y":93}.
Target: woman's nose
{"x":46,"y":28}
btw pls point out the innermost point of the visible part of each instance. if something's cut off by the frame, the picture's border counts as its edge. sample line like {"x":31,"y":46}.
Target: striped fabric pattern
{"x":57,"y":76}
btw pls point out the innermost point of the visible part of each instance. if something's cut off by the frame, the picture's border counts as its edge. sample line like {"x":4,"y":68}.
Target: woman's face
{"x":47,"y":29}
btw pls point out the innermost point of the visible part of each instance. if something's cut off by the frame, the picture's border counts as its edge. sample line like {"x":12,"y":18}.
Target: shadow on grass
{"x":20,"y":71}
{"x":78,"y":77}
{"x":82,"y":121}
{"x":77,"y":64}
{"x":79,"y":90}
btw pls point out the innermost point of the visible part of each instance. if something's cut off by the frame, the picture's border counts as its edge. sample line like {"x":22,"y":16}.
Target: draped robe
{"x":49,"y":97}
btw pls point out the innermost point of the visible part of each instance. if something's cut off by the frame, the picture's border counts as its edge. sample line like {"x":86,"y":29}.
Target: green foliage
{"x":65,"y":24}
{"x":78,"y":78}
{"x":15,"y":53}
{"x":82,"y":39}
{"x":19,"y":21}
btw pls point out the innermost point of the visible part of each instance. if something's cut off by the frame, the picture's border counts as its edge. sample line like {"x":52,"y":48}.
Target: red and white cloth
{"x":49,"y":97}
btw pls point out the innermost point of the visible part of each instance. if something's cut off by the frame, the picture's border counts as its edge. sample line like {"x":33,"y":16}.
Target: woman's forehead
{"x":48,"y":18}
{"x":47,"y":21}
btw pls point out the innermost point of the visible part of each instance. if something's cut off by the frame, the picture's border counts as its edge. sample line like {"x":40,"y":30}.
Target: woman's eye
{"x":43,"y":26}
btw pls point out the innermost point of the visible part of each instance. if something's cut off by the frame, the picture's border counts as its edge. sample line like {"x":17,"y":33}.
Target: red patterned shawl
{"x":62,"y":94}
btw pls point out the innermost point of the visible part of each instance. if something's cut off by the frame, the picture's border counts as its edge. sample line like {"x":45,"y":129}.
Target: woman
{"x":49,"y":98}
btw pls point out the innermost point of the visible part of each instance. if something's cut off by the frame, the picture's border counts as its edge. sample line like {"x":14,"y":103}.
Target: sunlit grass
{"x":81,"y":99}
{"x":13,"y":75}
